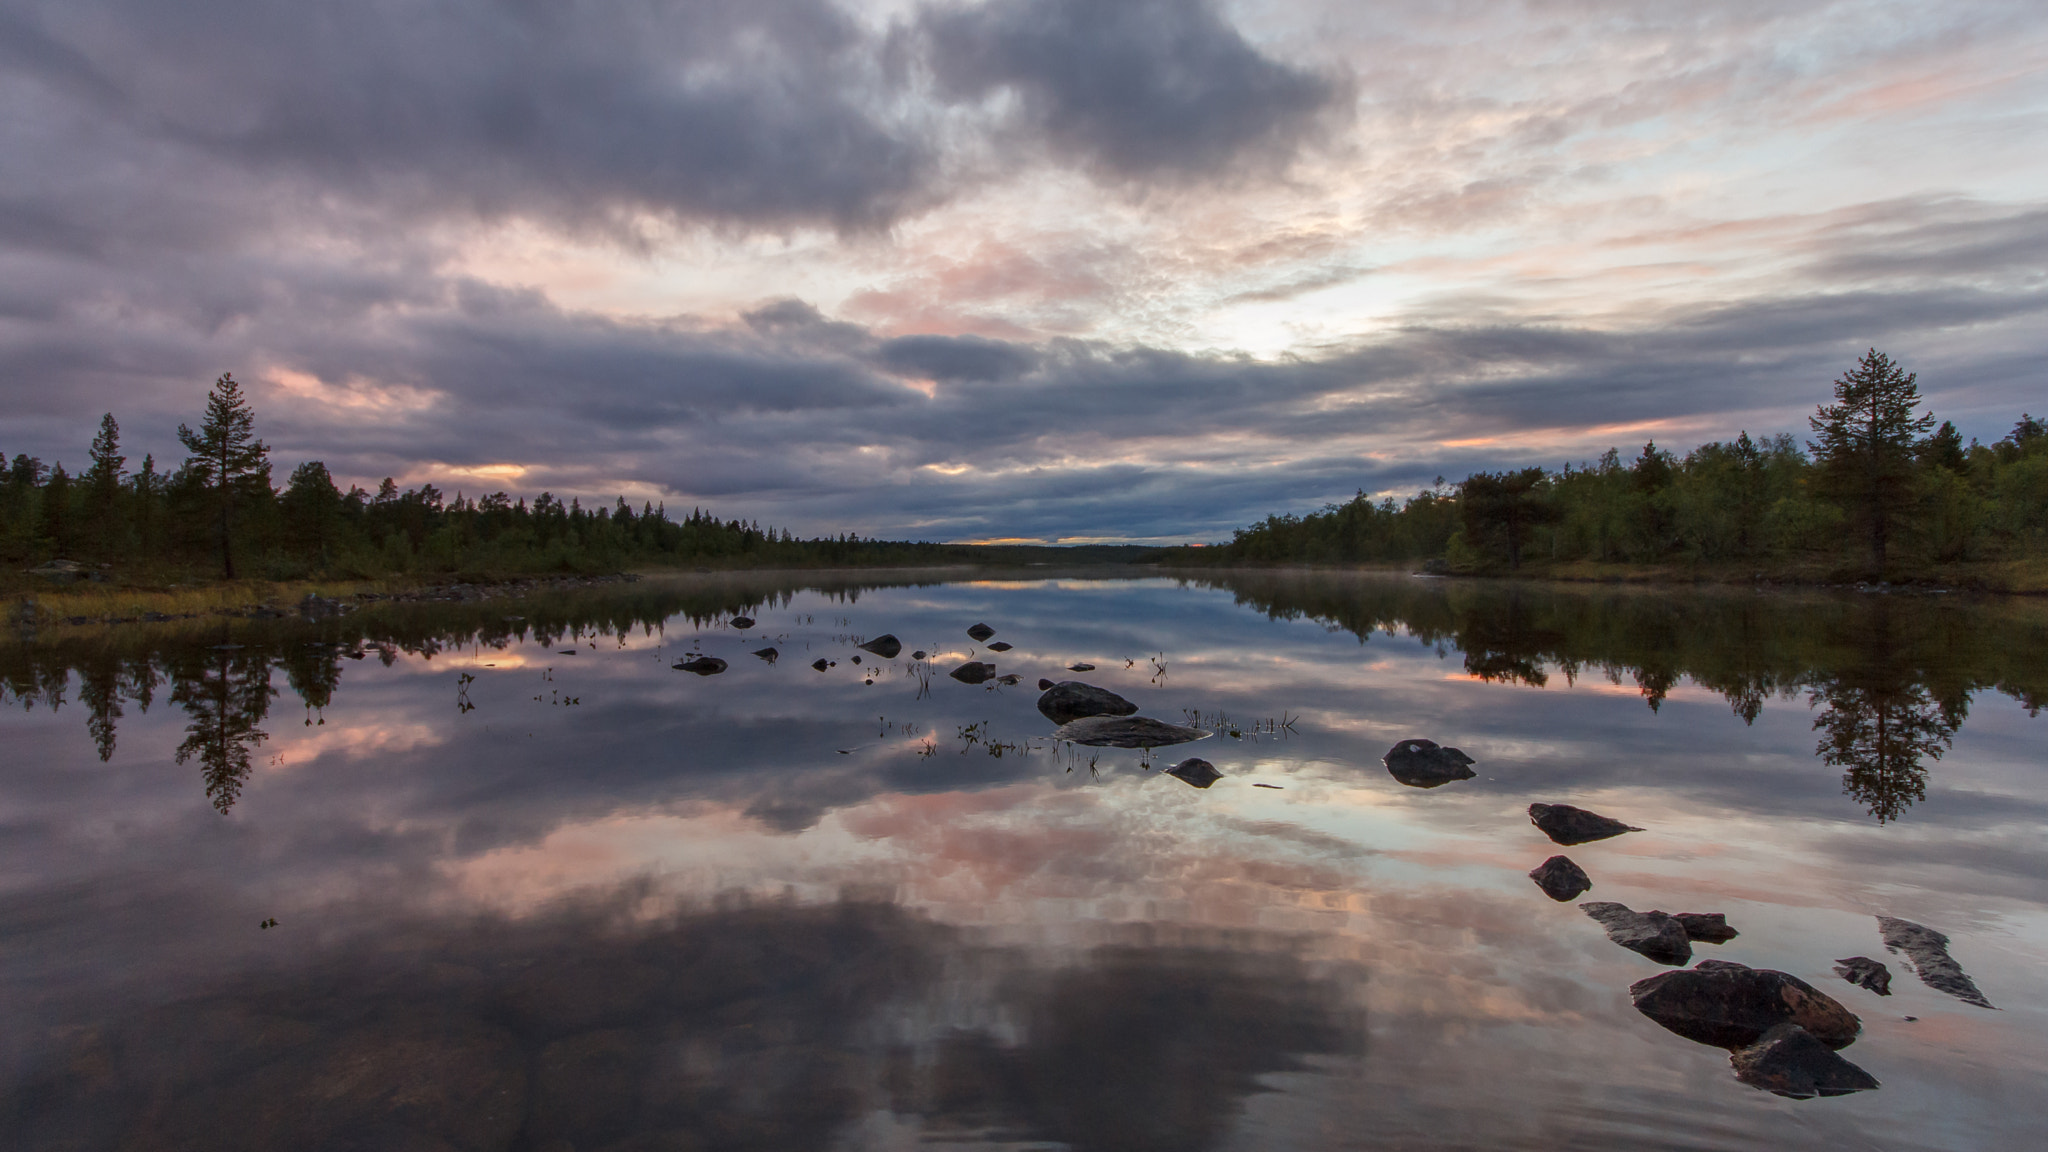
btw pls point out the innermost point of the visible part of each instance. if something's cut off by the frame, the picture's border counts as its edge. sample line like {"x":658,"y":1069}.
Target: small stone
{"x":1927,"y":951}
{"x":1560,"y":879}
{"x":769,"y":654}
{"x":1070,"y":700}
{"x":918,"y":655}
{"x":1080,"y":667}
{"x":1195,"y":771}
{"x":1125,"y":732}
{"x":1000,"y":646}
{"x":1868,"y":973}
{"x":742,"y":622}
{"x":1788,"y":1061}
{"x":1043,"y":683}
{"x":1567,"y":825}
{"x":1653,"y":934}
{"x":1009,"y":678}
{"x":1426,"y":764}
{"x":856,"y":659}
{"x":703,"y":666}
{"x":886,"y":646}
{"x":1706,"y":927}
{"x":973,"y":672}
{"x":821,"y":663}
{"x":980,"y":632}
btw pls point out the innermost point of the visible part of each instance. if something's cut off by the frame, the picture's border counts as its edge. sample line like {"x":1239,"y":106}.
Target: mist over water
{"x":536,"y":888}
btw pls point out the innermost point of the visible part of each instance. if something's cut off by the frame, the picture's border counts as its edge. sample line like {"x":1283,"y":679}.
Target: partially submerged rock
{"x":821,"y":663}
{"x":1730,"y":1005}
{"x":1706,"y":927}
{"x":1560,"y":879}
{"x":1567,"y":825}
{"x":981,"y":632}
{"x":769,"y":654}
{"x":1868,"y":973}
{"x":1080,"y":667}
{"x":1125,"y":732}
{"x":742,"y":622}
{"x":1010,"y":679}
{"x":1926,"y":951}
{"x":703,"y":666}
{"x":1195,"y":771}
{"x":1789,"y":1061}
{"x":918,"y":655}
{"x":886,"y":646}
{"x":1653,"y":934}
{"x":1070,"y":700}
{"x":1043,"y":683}
{"x":1426,"y":764}
{"x":1000,"y":646}
{"x":973,"y":672}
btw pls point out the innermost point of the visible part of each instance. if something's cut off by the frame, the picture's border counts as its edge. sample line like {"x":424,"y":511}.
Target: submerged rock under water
{"x":1567,"y":825}
{"x":1125,"y":732}
{"x":1927,"y":952}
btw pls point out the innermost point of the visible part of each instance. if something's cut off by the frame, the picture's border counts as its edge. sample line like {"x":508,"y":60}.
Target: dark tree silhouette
{"x":227,"y":698}
{"x":102,"y":485}
{"x":1878,"y":735}
{"x":1867,"y":442}
{"x":226,"y":457}
{"x":1504,"y":504}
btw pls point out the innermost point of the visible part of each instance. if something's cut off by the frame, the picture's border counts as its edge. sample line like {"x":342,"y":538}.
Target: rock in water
{"x":1195,"y":771}
{"x":973,"y":672}
{"x":1043,"y":683}
{"x":1789,"y":1061}
{"x":1425,"y":764}
{"x":742,"y":622}
{"x":821,"y":663}
{"x":981,"y":632}
{"x":1000,"y":646}
{"x":1871,"y":974}
{"x":1731,"y":1006}
{"x":1560,"y":879}
{"x":1927,"y":951}
{"x":1653,"y":934}
{"x":1070,"y":700}
{"x":1125,"y":732}
{"x":1706,"y":927}
{"x":1080,"y":667}
{"x":703,"y":666}
{"x":886,"y":646}
{"x":1010,"y":679}
{"x":1567,"y":825}
{"x":769,"y":654}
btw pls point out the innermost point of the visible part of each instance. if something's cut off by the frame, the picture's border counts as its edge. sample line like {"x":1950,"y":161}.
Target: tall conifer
{"x":1867,"y":441}
{"x":227,"y":459}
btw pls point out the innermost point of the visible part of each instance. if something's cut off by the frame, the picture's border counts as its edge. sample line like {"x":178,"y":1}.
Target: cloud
{"x":1139,"y":89}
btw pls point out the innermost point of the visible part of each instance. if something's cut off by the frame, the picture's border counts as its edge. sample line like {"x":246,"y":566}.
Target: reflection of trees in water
{"x":1879,"y":735}
{"x":227,"y":699}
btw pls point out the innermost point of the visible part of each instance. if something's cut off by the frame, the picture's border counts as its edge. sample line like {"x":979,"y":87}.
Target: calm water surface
{"x":535,"y":889}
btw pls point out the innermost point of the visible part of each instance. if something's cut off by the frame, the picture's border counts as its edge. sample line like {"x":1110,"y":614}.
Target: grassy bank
{"x":2025,"y":576}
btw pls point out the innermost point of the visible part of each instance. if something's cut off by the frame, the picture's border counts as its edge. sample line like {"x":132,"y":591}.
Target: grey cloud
{"x":953,"y":359}
{"x":1145,"y":89}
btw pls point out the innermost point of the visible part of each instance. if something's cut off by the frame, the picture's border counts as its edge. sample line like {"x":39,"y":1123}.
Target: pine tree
{"x":1867,"y":442}
{"x":102,"y":484}
{"x":226,"y":457}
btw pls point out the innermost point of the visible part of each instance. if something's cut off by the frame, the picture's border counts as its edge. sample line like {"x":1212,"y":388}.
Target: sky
{"x":1050,"y":270}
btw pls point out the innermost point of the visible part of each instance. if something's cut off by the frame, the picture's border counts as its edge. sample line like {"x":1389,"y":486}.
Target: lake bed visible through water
{"x":498,"y":875}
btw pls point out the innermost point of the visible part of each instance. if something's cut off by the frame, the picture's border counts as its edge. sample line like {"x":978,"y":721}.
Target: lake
{"x":494,"y":874}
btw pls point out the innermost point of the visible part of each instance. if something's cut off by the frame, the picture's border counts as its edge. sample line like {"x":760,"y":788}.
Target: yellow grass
{"x":111,"y":601}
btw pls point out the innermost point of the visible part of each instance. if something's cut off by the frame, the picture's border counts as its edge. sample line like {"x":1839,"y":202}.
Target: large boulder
{"x":1195,"y":771}
{"x":1125,"y":732}
{"x":886,"y":646}
{"x":1427,"y":764}
{"x":1731,"y":1006}
{"x":1789,"y":1061}
{"x":1653,"y":934}
{"x":1560,"y":879}
{"x":1866,"y":973}
{"x":1927,"y":951}
{"x":1070,"y":700}
{"x":1567,"y":825}
{"x":974,"y":672}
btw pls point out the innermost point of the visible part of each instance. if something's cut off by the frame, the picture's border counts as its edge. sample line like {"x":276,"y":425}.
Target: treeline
{"x":1879,"y":490}
{"x":219,"y":512}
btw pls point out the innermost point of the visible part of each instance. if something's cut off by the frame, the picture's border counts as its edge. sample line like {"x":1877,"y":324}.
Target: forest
{"x":220,"y":513}
{"x":1879,"y":492}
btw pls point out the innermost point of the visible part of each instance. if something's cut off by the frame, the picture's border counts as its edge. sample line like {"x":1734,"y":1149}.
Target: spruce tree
{"x":1867,"y":442}
{"x":227,"y":459}
{"x":102,"y":483}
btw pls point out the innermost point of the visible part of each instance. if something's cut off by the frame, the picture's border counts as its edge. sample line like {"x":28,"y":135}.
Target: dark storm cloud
{"x":1144,"y":89}
{"x":762,"y":113}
